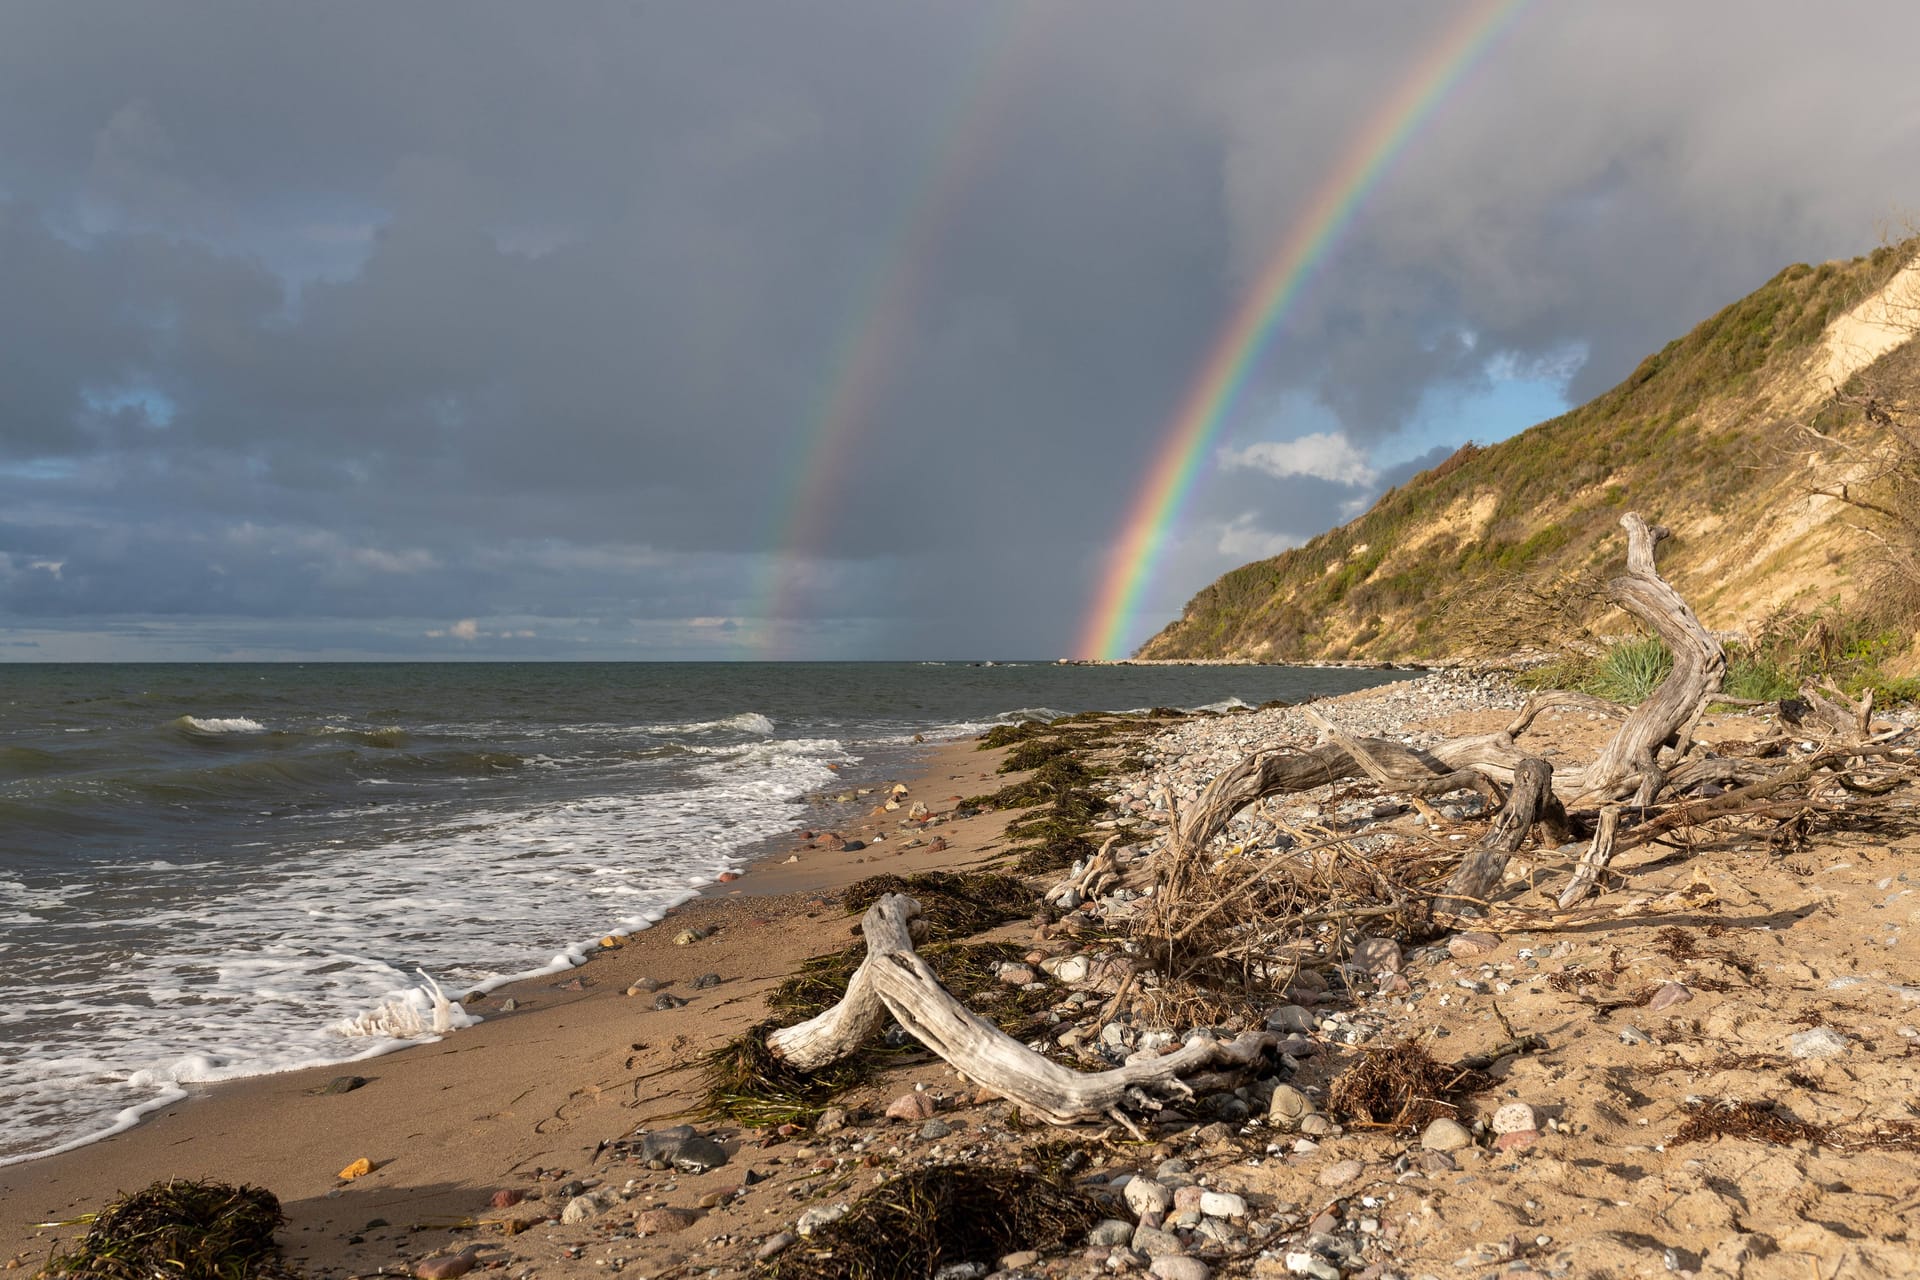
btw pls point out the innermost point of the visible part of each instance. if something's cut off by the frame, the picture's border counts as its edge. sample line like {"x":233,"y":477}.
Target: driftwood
{"x":894,"y":980}
{"x":1594,"y":861}
{"x":1479,"y":873}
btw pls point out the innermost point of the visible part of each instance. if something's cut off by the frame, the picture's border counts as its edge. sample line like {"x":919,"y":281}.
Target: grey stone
{"x":697,"y":1155}
{"x":705,"y":981}
{"x":1291,"y":1017}
{"x":1288,"y":1108}
{"x":1310,"y":1264}
{"x":1177,"y":1267}
{"x":1155,"y":1243}
{"x":935,"y":1129}
{"x":1446,"y":1135}
{"x":1144,"y":1196}
{"x":1817,"y":1042}
{"x":659,"y":1147}
{"x":1111,"y":1231}
{"x":1222,"y":1204}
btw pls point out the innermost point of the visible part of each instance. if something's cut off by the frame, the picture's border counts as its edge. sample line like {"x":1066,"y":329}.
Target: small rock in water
{"x":1819,"y":1042}
{"x":819,"y":1216}
{"x":704,"y":981}
{"x":1288,"y":1108}
{"x":509,"y":1005}
{"x":1514,"y":1117}
{"x":910,"y":1107}
{"x":1446,"y":1135}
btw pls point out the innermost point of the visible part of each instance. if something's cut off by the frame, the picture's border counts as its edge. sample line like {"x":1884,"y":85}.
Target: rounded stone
{"x":1175,"y":1267}
{"x":1221,"y":1204}
{"x":1446,"y":1135}
{"x":1288,"y":1108}
{"x":1144,"y":1196}
{"x":1341,"y":1173}
{"x":1514,"y":1117}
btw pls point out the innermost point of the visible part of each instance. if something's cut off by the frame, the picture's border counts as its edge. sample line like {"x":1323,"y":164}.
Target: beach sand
{"x":1797,"y":988}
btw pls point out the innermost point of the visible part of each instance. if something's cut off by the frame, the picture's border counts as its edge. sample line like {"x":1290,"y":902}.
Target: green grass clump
{"x":914,"y":1225}
{"x":1630,"y":671}
{"x":954,"y":905}
{"x":1753,"y":675}
{"x":182,"y":1230}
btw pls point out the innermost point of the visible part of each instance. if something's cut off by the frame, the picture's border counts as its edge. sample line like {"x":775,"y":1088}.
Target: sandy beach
{"x":1728,"y":975}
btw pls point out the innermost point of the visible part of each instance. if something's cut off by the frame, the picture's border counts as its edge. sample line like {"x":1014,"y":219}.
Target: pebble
{"x":1110,"y":1231}
{"x":343,"y":1084}
{"x":697,"y":1155}
{"x":1312,"y":1264}
{"x":687,"y":937}
{"x":832,"y":1120}
{"x":1462,"y":945}
{"x":1017,"y":975}
{"x":1291,"y":1017}
{"x":1341,"y":1173}
{"x":645,"y":987}
{"x":1288,"y":1108}
{"x":1818,"y":1042}
{"x":819,"y":1216}
{"x":653,"y":1222}
{"x":581,"y":1208}
{"x":1377,"y":956}
{"x":1177,"y":1267}
{"x":506,"y":1199}
{"x":1516,"y":1140}
{"x":1144,"y":1196}
{"x":1068,"y":969}
{"x":659,"y":1147}
{"x":935,"y":1129}
{"x":667,"y":1000}
{"x":1446,"y":1135}
{"x":775,"y":1245}
{"x":1669,"y":994}
{"x":1024,"y":1258}
{"x":1155,"y":1243}
{"x":1514,"y":1117}
{"x":1317,"y":1126}
{"x":961,"y":1271}
{"x":448,"y":1267}
{"x":1222,"y":1204}
{"x":704,"y":981}
{"x":1634,"y":1035}
{"x":910,"y":1107}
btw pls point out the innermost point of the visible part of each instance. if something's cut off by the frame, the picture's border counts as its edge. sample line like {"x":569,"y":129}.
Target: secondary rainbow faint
{"x":1156,"y":507}
{"x":881,"y":317}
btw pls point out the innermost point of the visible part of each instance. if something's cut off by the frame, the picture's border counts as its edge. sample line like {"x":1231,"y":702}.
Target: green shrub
{"x":1631,"y":670}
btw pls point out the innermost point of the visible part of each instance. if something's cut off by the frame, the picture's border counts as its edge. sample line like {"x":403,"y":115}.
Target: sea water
{"x":210,"y":871}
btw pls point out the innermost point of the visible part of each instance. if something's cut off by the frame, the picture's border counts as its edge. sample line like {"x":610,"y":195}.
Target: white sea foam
{"x":228,"y":724}
{"x":1028,"y":713}
{"x":266,"y":960}
{"x":745,"y":722}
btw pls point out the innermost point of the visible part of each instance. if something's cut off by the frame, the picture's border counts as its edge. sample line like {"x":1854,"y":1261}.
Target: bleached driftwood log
{"x":893,"y":979}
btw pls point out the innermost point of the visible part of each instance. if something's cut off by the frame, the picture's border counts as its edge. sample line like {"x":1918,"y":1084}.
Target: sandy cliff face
{"x":1700,"y":438}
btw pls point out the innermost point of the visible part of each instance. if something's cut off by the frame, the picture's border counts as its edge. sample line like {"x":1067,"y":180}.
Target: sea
{"x":225,"y":870}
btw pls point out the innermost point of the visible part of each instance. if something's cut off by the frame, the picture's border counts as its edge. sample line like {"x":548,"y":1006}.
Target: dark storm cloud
{"x":326,"y":327}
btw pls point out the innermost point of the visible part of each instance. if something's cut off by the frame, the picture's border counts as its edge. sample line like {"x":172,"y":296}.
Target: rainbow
{"x":884,"y":303}
{"x":1231,"y":359}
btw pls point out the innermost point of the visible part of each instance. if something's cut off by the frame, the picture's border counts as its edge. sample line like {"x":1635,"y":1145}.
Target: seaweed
{"x":1754,"y":1121}
{"x":916,"y":1224}
{"x":743,"y":1081}
{"x":184,"y":1229}
{"x":1052,"y":854}
{"x":1034,"y":752}
{"x":952,"y":904}
{"x":1005,"y":735}
{"x":1401,"y":1086}
{"x":970,"y":970}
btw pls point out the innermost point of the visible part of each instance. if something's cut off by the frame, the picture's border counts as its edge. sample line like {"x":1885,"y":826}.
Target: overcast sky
{"x":461,"y":329}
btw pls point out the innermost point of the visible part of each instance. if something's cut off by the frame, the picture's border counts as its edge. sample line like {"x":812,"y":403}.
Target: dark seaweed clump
{"x":954,"y":905}
{"x":181,"y":1229}
{"x":913,"y":1226}
{"x":1401,"y":1086}
{"x":743,"y":1081}
{"x":1005,"y":735}
{"x":1035,"y":752}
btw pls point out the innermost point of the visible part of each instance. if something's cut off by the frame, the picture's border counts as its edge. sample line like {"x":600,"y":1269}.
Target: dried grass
{"x":1401,"y":1086}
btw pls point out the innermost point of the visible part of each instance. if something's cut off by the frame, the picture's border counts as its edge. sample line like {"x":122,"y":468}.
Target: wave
{"x":218,"y":725}
{"x":1225,"y":704}
{"x":745,"y":722}
{"x":1027,"y":713}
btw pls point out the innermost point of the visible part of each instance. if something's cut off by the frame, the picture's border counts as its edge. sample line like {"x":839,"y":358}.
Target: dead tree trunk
{"x":894,"y":979}
{"x":1473,"y":882}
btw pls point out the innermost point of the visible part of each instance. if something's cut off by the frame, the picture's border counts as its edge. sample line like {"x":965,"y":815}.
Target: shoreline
{"x":257,"y":1129}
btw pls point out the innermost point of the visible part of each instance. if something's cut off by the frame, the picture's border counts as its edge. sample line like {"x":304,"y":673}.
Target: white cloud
{"x":1324,"y":455}
{"x":465,"y":629}
{"x":1243,"y":539}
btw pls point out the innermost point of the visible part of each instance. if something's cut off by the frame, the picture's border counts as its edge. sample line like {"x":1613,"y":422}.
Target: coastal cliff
{"x":1703,"y":437}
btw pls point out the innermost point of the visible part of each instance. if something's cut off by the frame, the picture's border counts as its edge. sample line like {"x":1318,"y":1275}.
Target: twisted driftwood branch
{"x":893,"y":979}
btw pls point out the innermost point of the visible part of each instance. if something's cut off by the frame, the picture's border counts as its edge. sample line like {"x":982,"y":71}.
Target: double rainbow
{"x":1210,"y":398}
